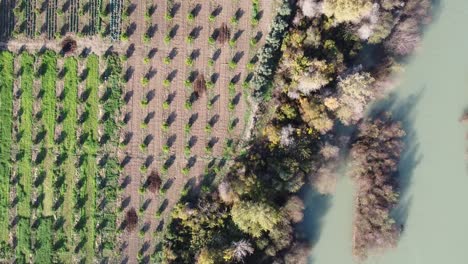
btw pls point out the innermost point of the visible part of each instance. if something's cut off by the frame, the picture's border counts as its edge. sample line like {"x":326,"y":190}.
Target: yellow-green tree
{"x":347,"y":10}
{"x":254,"y":218}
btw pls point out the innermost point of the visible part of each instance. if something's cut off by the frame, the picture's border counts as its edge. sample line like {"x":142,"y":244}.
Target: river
{"x":430,"y":99}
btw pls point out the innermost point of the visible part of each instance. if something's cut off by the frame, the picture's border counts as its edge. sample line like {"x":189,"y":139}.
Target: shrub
{"x":232,"y":65}
{"x":166,"y":83}
{"x":168,"y":17}
{"x":144,"y":81}
{"x":269,"y":55}
{"x":211,"y":18}
{"x":189,"y":61}
{"x":211,"y":41}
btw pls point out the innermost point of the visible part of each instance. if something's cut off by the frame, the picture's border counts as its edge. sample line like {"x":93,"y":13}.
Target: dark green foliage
{"x":43,"y":241}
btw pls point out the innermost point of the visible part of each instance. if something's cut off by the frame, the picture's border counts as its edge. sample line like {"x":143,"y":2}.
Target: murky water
{"x":431,"y":99}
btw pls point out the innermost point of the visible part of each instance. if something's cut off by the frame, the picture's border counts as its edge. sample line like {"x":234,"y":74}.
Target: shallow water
{"x":430,"y":99}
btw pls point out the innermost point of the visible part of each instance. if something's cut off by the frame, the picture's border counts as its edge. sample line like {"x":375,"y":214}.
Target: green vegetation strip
{"x":108,"y":182}
{"x":68,"y":150}
{"x":48,"y":71}
{"x":6,"y":119}
{"x":43,"y":243}
{"x":24,"y":158}
{"x":89,"y":155}
{"x":43,"y":233}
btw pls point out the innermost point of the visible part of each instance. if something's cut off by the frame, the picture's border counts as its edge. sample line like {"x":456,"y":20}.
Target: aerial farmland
{"x":110,"y":112}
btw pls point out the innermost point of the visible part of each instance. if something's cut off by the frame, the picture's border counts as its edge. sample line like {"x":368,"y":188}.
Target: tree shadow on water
{"x":403,"y":110}
{"x":316,"y":207}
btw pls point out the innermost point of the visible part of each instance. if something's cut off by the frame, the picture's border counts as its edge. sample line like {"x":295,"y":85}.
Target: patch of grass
{"x":43,"y":249}
{"x":25,"y":159}
{"x":48,"y":70}
{"x":6,"y":118}
{"x":69,"y":147}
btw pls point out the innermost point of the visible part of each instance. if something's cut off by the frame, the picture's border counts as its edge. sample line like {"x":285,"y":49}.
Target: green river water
{"x":430,"y":99}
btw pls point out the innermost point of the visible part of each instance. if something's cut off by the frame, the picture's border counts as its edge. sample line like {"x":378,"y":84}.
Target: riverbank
{"x":434,"y":86}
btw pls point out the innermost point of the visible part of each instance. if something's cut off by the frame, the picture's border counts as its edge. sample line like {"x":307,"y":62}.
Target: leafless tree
{"x":153,"y":182}
{"x":405,"y":38}
{"x":131,"y":219}
{"x":241,"y":249}
{"x":199,"y":85}
{"x":68,"y":45}
{"x":224,"y":33}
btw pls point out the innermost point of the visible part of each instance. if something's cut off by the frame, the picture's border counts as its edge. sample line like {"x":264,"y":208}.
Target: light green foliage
{"x":25,"y":142}
{"x":49,"y":77}
{"x":254,"y":218}
{"x":25,"y":159}
{"x":347,"y":10}
{"x":69,"y":145}
{"x":286,"y":111}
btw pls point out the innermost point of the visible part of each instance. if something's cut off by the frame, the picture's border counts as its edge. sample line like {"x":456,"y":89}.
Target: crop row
{"x":6,"y":18}
{"x":65,"y":182}
{"x":30,"y":18}
{"x":107,"y":184}
{"x":6,"y":110}
{"x":88,"y":158}
{"x":24,"y":159}
{"x":94,"y":24}
{"x":73,"y":22}
{"x":46,"y":158}
{"x":51,"y":18}
{"x":116,"y":9}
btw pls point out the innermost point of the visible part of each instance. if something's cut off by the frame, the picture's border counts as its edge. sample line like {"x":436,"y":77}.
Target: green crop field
{"x":25,"y":163}
{"x":48,"y":71}
{"x":6,"y":117}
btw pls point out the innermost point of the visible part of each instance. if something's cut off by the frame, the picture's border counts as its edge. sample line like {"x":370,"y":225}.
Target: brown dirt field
{"x":132,"y":150}
{"x":142,"y":246}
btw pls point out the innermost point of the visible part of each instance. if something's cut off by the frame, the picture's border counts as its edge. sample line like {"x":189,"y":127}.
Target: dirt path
{"x":132,"y":169}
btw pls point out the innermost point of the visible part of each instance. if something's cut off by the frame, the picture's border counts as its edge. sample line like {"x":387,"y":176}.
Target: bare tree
{"x":153,"y":182}
{"x":241,"y":249}
{"x":405,"y":38}
{"x":224,"y":33}
{"x":131,"y":219}
{"x":68,"y":45}
{"x":200,"y":85}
